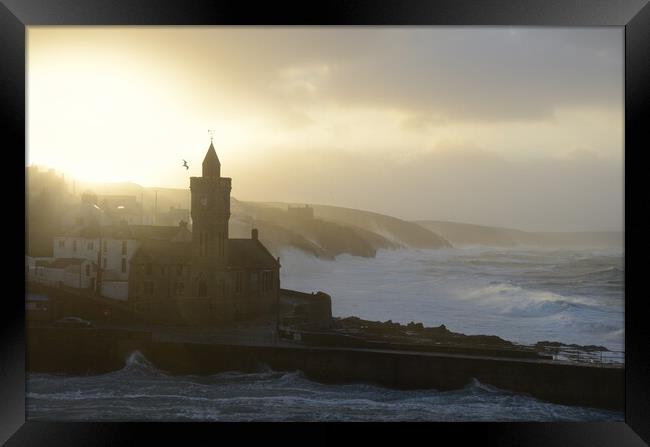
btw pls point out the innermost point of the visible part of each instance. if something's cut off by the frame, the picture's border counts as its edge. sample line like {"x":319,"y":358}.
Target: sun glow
{"x":112,"y":104}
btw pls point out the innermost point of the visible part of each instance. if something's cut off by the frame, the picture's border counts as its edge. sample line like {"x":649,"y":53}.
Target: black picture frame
{"x":634,"y":15}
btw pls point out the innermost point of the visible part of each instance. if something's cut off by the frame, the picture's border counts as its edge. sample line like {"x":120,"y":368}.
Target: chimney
{"x":254,"y":233}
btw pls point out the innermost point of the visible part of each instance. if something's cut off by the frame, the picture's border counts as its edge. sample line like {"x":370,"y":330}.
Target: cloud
{"x":437,"y":74}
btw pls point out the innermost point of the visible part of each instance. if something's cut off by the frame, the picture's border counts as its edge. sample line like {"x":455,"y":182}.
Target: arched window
{"x":203,"y":243}
{"x":203,"y":288}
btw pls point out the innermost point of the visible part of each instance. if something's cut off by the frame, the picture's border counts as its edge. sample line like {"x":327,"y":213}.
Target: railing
{"x":571,"y":354}
{"x":609,"y":358}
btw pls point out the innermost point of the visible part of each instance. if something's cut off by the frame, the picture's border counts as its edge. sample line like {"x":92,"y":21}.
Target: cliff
{"x":331,"y":232}
{"x":462,"y":234}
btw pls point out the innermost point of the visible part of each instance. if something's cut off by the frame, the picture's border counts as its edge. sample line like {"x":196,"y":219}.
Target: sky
{"x":515,"y":127}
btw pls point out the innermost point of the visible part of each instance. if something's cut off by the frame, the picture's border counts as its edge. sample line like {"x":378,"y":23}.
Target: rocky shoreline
{"x":418,"y":334}
{"x":412,"y":333}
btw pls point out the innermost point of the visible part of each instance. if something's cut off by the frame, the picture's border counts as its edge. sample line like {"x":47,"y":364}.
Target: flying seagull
{"x":185,"y":164}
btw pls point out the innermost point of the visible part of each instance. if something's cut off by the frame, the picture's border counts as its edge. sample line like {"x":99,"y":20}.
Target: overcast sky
{"x":517,"y":127}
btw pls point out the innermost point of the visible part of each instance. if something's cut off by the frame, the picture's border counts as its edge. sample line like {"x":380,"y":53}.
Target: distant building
{"x":107,"y":210}
{"x":116,"y":209}
{"x":301,"y":212}
{"x":45,"y":200}
{"x":85,"y":212}
{"x":173,"y":216}
{"x":39,"y":180}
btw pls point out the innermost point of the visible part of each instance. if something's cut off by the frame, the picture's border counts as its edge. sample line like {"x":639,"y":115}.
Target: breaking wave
{"x":523,"y":295}
{"x":141,"y":392}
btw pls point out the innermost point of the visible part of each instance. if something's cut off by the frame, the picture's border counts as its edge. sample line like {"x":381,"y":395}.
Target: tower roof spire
{"x":211,"y":163}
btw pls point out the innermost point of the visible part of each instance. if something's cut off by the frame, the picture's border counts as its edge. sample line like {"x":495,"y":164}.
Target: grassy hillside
{"x":385,"y":231}
{"x":462,"y":234}
{"x":323,"y":238}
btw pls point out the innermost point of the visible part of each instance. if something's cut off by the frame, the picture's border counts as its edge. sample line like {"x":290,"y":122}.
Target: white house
{"x":110,"y":247}
{"x":71,"y":272}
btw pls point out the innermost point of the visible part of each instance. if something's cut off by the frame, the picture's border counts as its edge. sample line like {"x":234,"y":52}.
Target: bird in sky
{"x":185,"y":164}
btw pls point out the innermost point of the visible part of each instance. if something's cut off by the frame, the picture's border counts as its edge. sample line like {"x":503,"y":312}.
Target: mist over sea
{"x":522,"y":295}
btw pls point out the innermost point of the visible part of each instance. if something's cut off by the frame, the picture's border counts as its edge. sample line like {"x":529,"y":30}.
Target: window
{"x":105,"y":246}
{"x":221,"y":244}
{"x":254,"y":281}
{"x":179,"y":270}
{"x":162,"y":270}
{"x":147,"y":269}
{"x":267,"y":280}
{"x":123,"y":247}
{"x":91,"y":245}
{"x":204,"y":243}
{"x":180,"y":288}
{"x":148,"y":287}
{"x":123,"y":265}
{"x":61,"y":243}
{"x":104,"y":263}
{"x":87,"y":269}
{"x":74,"y":245}
{"x":203,"y":288}
{"x":239,"y":282}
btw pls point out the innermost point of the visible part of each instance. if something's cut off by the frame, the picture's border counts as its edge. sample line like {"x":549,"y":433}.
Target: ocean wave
{"x":292,"y":397}
{"x":137,"y":364}
{"x":516,"y":301}
{"x":70,"y":395}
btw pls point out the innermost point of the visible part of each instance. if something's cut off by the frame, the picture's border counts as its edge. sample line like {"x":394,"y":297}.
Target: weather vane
{"x":211,"y":132}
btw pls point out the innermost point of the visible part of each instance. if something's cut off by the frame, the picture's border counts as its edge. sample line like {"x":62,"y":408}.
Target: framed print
{"x":334,"y":213}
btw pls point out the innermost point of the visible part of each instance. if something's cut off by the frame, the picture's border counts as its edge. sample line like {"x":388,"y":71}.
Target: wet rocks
{"x":389,"y":331}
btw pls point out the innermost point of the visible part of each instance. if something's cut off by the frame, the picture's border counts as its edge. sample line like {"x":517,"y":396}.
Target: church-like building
{"x":207,"y":277}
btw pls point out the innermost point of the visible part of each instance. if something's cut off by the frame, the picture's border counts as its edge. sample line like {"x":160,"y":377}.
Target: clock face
{"x":204,"y":201}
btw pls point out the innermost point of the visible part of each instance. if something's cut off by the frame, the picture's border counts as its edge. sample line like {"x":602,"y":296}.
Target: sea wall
{"x":77,"y":352}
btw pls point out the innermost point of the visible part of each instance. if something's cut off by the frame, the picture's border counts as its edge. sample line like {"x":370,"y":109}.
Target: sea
{"x":524,"y":295}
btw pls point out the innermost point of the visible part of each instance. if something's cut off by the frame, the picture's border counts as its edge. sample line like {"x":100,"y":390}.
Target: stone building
{"x":209,"y":278}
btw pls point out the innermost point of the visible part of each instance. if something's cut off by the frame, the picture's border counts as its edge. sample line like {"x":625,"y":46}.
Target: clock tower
{"x":210,"y":214}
